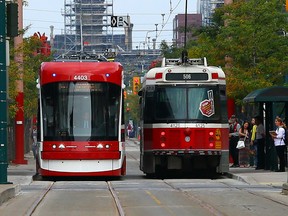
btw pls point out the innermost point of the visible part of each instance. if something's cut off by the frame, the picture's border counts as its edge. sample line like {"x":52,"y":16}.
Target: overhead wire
{"x":170,"y":13}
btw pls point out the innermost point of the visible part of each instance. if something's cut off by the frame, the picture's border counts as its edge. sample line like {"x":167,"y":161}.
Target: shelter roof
{"x":271,"y":94}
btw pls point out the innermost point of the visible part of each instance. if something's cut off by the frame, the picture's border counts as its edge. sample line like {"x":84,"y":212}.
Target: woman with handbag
{"x":279,"y":136}
{"x":244,"y":135}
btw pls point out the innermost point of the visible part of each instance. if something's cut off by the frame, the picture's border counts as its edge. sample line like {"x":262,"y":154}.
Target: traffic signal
{"x":125,"y":94}
{"x":136,"y":85}
{"x":12,"y":19}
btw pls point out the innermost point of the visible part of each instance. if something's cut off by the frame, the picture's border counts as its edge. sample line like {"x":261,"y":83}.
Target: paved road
{"x":135,"y":194}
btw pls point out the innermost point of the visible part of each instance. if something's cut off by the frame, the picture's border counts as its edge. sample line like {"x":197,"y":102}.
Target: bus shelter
{"x":270,"y":102}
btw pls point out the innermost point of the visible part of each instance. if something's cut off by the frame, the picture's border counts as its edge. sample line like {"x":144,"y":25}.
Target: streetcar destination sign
{"x":186,"y":76}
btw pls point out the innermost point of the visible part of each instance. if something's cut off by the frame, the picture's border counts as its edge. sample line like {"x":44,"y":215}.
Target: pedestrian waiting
{"x":234,"y":128}
{"x":260,"y":143}
{"x":244,"y":135}
{"x":279,"y":137}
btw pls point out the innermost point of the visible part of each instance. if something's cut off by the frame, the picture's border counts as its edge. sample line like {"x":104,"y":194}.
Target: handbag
{"x":241,"y":143}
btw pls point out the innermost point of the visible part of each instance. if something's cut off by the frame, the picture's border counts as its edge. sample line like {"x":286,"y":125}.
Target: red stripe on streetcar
{"x":80,"y":155}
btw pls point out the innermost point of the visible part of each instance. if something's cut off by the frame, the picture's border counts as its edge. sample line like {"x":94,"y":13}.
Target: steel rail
{"x":116,"y":200}
{"x":34,"y":206}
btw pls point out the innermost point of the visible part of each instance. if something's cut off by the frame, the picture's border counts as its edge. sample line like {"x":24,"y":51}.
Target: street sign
{"x":120,"y":21}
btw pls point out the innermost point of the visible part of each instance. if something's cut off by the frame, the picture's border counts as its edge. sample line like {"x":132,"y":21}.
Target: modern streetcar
{"x":184,"y":123}
{"x":81,"y":119}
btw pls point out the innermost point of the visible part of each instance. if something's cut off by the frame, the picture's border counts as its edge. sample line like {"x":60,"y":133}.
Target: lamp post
{"x":163,"y":15}
{"x":156,"y":29}
{"x":146,"y":37}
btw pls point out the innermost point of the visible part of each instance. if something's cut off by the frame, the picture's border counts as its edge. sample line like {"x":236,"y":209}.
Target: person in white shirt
{"x":279,"y":143}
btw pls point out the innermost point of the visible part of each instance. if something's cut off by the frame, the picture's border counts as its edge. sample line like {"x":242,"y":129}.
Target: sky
{"x":144,"y":14}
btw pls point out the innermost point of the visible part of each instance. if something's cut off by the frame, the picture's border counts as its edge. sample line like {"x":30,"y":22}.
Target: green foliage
{"x":28,"y":70}
{"x":251,"y":38}
{"x":247,"y":40}
{"x":170,"y":51}
{"x":132,"y":103}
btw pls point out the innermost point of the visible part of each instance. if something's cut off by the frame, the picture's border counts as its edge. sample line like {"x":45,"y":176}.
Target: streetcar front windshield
{"x":185,"y":104}
{"x":80,"y":111}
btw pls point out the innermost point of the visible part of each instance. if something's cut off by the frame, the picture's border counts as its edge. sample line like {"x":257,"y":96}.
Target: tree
{"x":31,"y":64}
{"x":252,"y":38}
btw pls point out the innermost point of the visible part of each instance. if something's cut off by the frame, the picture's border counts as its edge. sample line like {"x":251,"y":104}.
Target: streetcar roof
{"x":184,"y":69}
{"x":81,"y":71}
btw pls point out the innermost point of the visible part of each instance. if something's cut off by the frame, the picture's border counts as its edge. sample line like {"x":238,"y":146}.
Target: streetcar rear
{"x":80,"y":119}
{"x":184,"y":118}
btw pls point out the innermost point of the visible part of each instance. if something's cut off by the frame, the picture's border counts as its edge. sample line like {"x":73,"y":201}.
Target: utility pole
{"x":285,"y":185}
{"x":3,"y":96}
{"x":19,"y":117}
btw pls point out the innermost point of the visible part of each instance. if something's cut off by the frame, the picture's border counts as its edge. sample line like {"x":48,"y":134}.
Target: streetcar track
{"x":256,"y":194}
{"x":37,"y":202}
{"x":202,"y":203}
{"x":116,"y":199}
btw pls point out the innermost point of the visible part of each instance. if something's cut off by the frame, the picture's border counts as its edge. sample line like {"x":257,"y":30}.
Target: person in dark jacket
{"x":260,"y":142}
{"x":233,"y":139}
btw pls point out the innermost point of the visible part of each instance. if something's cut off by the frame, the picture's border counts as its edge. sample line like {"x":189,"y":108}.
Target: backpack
{"x":286,"y":136}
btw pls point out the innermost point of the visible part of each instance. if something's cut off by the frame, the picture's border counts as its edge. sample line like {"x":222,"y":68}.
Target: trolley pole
{"x":3,"y":96}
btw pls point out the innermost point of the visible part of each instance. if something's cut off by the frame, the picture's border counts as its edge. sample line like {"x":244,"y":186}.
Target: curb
{"x":285,"y":188}
{"x":8,"y":192}
{"x":245,"y":179}
{"x":233,"y":176}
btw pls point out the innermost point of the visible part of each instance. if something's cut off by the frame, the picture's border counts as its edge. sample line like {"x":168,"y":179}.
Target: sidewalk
{"x":17,"y":175}
{"x":22,"y":175}
{"x":260,"y":177}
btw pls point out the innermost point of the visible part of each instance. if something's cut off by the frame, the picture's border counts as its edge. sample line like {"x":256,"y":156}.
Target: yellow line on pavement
{"x":160,"y":204}
{"x":154,"y":198}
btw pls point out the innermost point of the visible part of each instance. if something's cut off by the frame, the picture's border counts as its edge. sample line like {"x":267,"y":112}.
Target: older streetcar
{"x":184,"y":123}
{"x":80,"y":119}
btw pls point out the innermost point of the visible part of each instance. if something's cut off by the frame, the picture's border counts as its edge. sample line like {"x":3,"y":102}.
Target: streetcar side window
{"x":223,"y":101}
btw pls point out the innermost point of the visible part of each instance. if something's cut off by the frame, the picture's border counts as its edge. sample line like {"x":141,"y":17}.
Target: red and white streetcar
{"x":184,"y":123}
{"x":80,"y":119}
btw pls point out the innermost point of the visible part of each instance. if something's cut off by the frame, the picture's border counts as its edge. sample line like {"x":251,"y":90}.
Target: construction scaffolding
{"x":206,"y":8}
{"x":87,"y":25}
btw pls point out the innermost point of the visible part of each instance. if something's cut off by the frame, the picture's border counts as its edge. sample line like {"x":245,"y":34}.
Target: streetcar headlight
{"x":61,"y":146}
{"x":100,"y":146}
{"x":107,"y":146}
{"x":54,"y":146}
